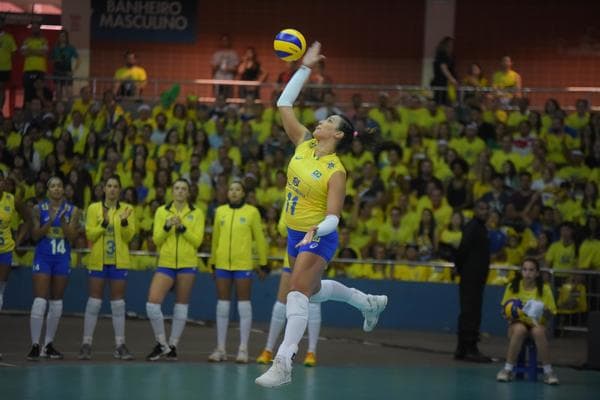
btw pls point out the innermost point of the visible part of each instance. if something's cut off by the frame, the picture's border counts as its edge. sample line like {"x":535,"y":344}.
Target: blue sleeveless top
{"x":54,"y":243}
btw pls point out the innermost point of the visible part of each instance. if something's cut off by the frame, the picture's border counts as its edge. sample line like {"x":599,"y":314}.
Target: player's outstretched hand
{"x":313,"y":55}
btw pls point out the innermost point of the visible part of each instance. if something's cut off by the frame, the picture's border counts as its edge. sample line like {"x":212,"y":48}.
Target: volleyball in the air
{"x":289,"y":45}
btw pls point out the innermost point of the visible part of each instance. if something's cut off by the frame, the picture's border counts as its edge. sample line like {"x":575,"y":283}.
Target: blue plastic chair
{"x":527,"y":363}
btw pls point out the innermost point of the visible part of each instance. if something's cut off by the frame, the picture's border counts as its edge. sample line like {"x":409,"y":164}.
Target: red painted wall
{"x":363,"y":43}
{"x":553,"y":43}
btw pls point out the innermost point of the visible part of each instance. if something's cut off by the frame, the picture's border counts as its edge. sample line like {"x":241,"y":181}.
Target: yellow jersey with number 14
{"x":306,"y":191}
{"x":7,"y":208}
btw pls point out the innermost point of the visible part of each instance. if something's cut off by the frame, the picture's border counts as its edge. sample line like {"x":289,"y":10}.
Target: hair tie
{"x":355,"y":133}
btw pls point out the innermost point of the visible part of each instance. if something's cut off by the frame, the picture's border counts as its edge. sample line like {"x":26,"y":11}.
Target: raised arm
{"x":294,"y":129}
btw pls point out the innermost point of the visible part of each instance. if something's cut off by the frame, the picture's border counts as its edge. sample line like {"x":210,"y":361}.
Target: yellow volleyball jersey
{"x":306,"y":191}
{"x":7,"y":208}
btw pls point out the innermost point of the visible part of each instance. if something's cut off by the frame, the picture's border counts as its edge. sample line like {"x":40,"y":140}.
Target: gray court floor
{"x":352,"y":365}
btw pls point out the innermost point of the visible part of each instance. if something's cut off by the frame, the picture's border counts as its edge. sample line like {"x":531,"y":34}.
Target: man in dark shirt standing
{"x":472,"y":264}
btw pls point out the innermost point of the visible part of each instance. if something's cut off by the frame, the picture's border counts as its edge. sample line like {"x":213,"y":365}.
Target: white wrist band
{"x":328,"y":225}
{"x":293,"y":87}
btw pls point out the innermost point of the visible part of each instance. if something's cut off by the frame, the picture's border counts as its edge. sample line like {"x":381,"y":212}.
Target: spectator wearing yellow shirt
{"x":575,"y":171}
{"x":437,"y":204}
{"x":450,"y":236}
{"x":589,"y":250}
{"x":559,"y":141}
{"x":551,"y":110}
{"x":521,"y":114}
{"x":83,"y":102}
{"x":380,"y":113}
{"x":507,"y":81}
{"x":469,"y":146}
{"x":376,"y":270}
{"x":35,"y":50}
{"x":581,"y":117}
{"x":399,"y":229}
{"x":569,"y":208}
{"x":561,"y":254}
{"x":474,"y":80}
{"x":7,"y":50}
{"x":505,"y":153}
{"x":394,"y":167}
{"x":357,"y":156}
{"x":172,"y":143}
{"x":410,"y":272}
{"x":130,"y":79}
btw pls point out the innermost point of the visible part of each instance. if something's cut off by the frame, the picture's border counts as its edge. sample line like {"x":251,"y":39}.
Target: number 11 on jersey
{"x":290,"y":204}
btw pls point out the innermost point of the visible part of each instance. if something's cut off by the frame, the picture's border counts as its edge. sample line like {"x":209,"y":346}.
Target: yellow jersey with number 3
{"x":7,"y":208}
{"x":306,"y":191}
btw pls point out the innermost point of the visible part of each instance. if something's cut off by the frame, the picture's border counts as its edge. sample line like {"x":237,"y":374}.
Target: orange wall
{"x":545,"y":38}
{"x":381,"y":44}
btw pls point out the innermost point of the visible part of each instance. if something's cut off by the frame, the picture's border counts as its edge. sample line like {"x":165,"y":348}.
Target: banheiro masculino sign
{"x":149,"y":21}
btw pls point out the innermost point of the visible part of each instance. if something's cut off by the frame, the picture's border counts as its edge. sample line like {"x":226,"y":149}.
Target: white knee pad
{"x":314,"y":312}
{"x":297,"y":305}
{"x":38,"y":308}
{"x":180,"y":311}
{"x":117,"y":308}
{"x":223,"y":308}
{"x":93,"y":306}
{"x":245,"y":309}
{"x":153,"y":311}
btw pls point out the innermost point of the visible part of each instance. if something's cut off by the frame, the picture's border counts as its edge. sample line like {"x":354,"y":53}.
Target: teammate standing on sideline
{"x":55,"y":226}
{"x":278,"y":314}
{"x":237,"y":228}
{"x":109,"y":226}
{"x":7,"y":243}
{"x":315,"y":197}
{"x":178,"y":232}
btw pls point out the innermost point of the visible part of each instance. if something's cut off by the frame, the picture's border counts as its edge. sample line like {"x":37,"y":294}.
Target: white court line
{"x":6,"y":365}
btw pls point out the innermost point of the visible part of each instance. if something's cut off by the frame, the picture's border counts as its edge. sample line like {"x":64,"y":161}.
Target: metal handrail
{"x":443,"y":264}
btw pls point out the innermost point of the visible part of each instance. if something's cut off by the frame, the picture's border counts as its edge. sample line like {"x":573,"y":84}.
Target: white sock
{"x":314,"y":326}
{"x":38,"y":309}
{"x":245,"y":312}
{"x":2,"y":287}
{"x":333,"y":290}
{"x":55,"y":308}
{"x":222,"y":322}
{"x":180,"y":313}
{"x":547,"y":368}
{"x":297,"y":318}
{"x":157,"y":322}
{"x":508,"y":366}
{"x":92,"y":309}
{"x":118,"y":318}
{"x":277,"y":324}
